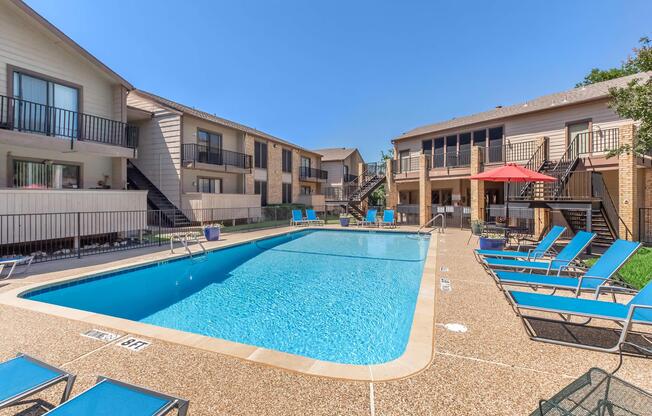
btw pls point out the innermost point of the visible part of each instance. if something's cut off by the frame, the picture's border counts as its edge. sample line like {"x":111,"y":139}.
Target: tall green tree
{"x":635,"y":100}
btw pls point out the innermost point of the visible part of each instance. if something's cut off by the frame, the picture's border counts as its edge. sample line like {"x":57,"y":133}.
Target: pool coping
{"x":418,"y":353}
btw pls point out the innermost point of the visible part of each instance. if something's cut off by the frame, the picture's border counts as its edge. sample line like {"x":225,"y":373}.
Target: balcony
{"x":312,"y":174}
{"x":197,"y":153}
{"x":29,"y":117}
{"x":312,"y":200}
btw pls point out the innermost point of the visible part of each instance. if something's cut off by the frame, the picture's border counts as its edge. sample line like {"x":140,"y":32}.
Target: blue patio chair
{"x":544,"y":246}
{"x":563,"y":260}
{"x":114,"y":398}
{"x":15,"y":261}
{"x":597,"y":276}
{"x":312,"y":218}
{"x":388,"y":219}
{"x":370,"y":219}
{"x":637,"y":311}
{"x":25,"y":376}
{"x":297,"y":218}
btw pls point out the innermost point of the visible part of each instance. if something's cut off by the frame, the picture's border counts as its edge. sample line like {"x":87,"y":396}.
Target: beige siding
{"x":335,"y":171}
{"x":231,"y":183}
{"x":159,"y":147}
{"x":26,"y":45}
{"x":232,"y":140}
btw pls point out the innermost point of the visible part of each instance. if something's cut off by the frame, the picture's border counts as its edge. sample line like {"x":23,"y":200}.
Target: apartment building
{"x":344,"y":165}
{"x":192,"y":160}
{"x":567,"y":135}
{"x":64,"y":136}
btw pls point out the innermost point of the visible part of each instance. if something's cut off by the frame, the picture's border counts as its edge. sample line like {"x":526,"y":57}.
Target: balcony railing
{"x":350,"y":178}
{"x":193,"y":152}
{"x":405,"y":164}
{"x":598,"y":141}
{"x":312,"y":173}
{"x":30,"y":117}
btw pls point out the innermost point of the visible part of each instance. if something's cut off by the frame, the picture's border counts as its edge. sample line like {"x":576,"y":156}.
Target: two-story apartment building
{"x":193,"y":160}
{"x":64,"y":136}
{"x":567,"y":135}
{"x":343,"y":165}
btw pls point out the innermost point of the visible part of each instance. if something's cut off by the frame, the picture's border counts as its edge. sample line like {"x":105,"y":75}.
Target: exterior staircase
{"x":573,"y":189}
{"x":355,"y":192}
{"x":170,"y":215}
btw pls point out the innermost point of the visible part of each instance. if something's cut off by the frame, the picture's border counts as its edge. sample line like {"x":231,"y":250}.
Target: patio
{"x":492,"y":369}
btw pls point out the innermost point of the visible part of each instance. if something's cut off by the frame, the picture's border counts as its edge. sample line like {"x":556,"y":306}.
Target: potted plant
{"x":345,"y":219}
{"x":212,"y":232}
{"x":477,"y":226}
{"x":492,"y":241}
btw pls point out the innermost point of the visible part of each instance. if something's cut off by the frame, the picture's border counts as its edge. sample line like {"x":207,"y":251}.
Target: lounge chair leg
{"x":66,"y":392}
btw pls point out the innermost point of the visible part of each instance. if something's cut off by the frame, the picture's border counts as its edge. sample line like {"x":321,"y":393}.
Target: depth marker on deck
{"x":100,"y":335}
{"x":134,"y":344}
{"x":445,"y":285}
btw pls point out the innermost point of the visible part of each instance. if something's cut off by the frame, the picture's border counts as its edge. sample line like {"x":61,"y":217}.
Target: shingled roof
{"x":592,"y":92}
{"x":332,"y":154}
{"x":219,"y":120}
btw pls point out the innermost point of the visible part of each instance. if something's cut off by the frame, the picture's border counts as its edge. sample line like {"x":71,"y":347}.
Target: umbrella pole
{"x":507,"y":207}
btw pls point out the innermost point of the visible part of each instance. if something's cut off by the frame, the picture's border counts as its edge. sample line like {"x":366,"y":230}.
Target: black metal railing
{"x":52,"y":236}
{"x":375,"y":169}
{"x":350,"y":178}
{"x":510,"y":152}
{"x":193,"y":152}
{"x":598,"y":141}
{"x":601,"y":192}
{"x":536,"y":163}
{"x":30,"y":117}
{"x":312,"y":173}
{"x":645,"y":225}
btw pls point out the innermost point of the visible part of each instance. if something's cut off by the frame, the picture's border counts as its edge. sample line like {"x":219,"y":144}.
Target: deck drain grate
{"x":134,"y":344}
{"x":100,"y":335}
{"x":445,"y":284}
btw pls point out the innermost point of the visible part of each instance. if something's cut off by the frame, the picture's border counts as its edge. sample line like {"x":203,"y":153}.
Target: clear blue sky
{"x":351,"y":73}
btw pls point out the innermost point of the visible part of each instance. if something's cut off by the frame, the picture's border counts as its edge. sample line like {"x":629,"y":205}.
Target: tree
{"x":379,"y":196}
{"x":635,"y":100}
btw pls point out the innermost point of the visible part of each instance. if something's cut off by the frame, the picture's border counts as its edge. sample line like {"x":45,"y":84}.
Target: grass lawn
{"x":638,"y":270}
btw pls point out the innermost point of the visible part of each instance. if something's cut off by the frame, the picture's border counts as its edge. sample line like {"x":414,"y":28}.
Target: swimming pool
{"x":340,"y":296}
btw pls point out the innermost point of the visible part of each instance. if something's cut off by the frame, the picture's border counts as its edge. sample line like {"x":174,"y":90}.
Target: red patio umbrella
{"x":512,"y":172}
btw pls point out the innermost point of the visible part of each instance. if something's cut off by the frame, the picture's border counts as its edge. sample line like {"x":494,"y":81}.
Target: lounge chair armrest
{"x":566,"y":266}
{"x":632,"y":309}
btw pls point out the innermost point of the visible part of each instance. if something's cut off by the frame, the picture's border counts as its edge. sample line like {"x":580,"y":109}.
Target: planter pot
{"x":492,"y":243}
{"x":212,"y":233}
{"x":344,"y":222}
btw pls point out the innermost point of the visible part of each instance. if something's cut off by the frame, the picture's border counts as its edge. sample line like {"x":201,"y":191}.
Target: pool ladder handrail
{"x":183,"y":239}
{"x":440,"y":229}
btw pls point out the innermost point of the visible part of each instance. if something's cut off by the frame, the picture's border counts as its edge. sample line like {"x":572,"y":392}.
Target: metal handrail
{"x":442,"y":227}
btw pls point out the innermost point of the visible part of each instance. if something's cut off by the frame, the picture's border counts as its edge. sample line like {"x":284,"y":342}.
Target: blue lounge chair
{"x":114,"y":398}
{"x":388,"y":219}
{"x":312,"y":217}
{"x":563,"y":260}
{"x":544,"y":246}
{"x":297,"y":218}
{"x":15,"y":261}
{"x":370,"y":219}
{"x":637,"y":311}
{"x":597,"y":276}
{"x":25,"y":376}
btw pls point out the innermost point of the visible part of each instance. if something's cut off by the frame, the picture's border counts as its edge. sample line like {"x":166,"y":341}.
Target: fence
{"x":52,"y":236}
{"x":645,"y":225}
{"x":518,"y":216}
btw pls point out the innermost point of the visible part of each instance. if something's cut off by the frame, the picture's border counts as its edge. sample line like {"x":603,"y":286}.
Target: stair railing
{"x":535,"y":163}
{"x":599,"y":190}
{"x":564,"y":167}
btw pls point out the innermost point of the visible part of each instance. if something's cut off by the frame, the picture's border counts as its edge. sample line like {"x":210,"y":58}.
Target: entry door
{"x":581,"y":131}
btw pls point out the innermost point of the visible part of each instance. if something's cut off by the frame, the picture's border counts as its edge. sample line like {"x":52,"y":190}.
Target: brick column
{"x":274,"y":174}
{"x":249,"y":177}
{"x":391,"y":193}
{"x":648,"y":188}
{"x":628,"y":184}
{"x":425,"y":192}
{"x":477,"y":187}
{"x":541,"y":215}
{"x":365,"y":203}
{"x":296,"y":166}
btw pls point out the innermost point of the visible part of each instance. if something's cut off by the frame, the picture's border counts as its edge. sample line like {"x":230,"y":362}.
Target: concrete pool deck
{"x":492,"y":369}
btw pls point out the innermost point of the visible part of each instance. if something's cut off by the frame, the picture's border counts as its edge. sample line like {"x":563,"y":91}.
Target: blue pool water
{"x":340,"y":296}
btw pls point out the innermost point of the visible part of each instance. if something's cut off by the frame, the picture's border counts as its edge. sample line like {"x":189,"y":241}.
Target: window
{"x":404,"y":157}
{"x":43,"y":175}
{"x":209,"y":185}
{"x":480,"y":138}
{"x":260,"y":188}
{"x":465,"y":141}
{"x":346,"y":174}
{"x":31,"y":114}
{"x":209,"y":147}
{"x":287,"y":193}
{"x":426,"y":145}
{"x":260,"y":155}
{"x":306,"y":190}
{"x":495,"y":144}
{"x":287,"y":160}
{"x":438,"y":153}
{"x":305,"y":167}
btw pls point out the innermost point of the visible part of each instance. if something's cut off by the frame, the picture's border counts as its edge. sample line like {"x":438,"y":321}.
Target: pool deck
{"x":492,"y":369}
